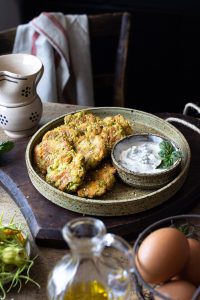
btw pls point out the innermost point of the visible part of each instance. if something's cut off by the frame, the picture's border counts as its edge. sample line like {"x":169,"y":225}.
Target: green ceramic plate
{"x":122,"y":199}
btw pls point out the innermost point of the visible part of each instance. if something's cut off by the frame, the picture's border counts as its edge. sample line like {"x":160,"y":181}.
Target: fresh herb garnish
{"x":6,"y":146}
{"x":168,"y":154}
{"x":184,"y":228}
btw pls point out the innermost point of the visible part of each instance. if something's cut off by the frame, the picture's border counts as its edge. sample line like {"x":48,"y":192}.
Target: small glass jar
{"x":94,"y":268}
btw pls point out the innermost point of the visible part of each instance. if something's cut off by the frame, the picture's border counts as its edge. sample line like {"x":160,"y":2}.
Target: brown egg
{"x":162,"y":255}
{"x":177,"y":290}
{"x":191,"y":271}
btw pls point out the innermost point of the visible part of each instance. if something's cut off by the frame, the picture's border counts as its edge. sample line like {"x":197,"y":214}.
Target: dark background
{"x":164,"y":56}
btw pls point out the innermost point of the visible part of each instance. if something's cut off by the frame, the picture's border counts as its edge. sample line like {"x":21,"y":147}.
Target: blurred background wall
{"x":10,"y":13}
{"x":164,"y":55}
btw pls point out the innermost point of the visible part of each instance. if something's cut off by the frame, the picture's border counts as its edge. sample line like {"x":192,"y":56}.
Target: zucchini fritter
{"x":93,"y":149}
{"x":120,"y":120}
{"x":67,"y":173}
{"x":69,"y":153}
{"x":62,"y":133}
{"x":115,"y":128}
{"x":85,"y":123}
{"x":98,"y":181}
{"x":46,"y":152}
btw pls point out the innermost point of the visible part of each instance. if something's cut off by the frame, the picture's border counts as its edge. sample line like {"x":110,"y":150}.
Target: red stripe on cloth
{"x":53,"y":42}
{"x":33,"y":45}
{"x":56,"y":22}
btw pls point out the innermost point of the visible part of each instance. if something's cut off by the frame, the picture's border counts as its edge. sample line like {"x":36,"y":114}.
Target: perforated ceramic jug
{"x":20,"y":106}
{"x":93,"y":269}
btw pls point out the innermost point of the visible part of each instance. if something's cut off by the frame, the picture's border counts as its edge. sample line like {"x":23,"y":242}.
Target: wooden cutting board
{"x":46,"y":220}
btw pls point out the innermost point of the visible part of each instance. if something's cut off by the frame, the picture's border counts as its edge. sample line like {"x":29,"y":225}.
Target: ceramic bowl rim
{"x":142,"y":174}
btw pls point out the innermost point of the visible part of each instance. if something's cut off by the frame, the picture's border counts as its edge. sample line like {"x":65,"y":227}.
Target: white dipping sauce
{"x":142,"y":157}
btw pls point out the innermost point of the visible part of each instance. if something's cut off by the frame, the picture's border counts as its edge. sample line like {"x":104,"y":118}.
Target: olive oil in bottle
{"x":92,"y":290}
{"x":91,"y":270}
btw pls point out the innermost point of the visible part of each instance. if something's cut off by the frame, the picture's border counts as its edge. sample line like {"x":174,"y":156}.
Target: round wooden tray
{"x":122,"y":200}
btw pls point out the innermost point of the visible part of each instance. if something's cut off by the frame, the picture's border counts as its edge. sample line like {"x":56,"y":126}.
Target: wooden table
{"x":47,"y":257}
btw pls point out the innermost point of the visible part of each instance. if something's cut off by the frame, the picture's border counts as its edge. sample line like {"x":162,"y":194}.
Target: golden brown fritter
{"x":62,"y":133}
{"x":115,"y":128}
{"x":67,"y":173}
{"x":111,"y":134}
{"x":98,"y":181}
{"x":85,"y":123}
{"x":47,"y":151}
{"x":55,"y":143}
{"x":70,"y":150}
{"x":119,"y":120}
{"x":93,"y":149}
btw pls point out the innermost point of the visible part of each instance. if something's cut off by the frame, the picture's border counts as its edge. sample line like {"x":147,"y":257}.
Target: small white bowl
{"x":143,"y":178}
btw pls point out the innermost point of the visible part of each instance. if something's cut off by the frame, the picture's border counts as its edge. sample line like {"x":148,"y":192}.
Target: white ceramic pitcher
{"x":20,"y":105}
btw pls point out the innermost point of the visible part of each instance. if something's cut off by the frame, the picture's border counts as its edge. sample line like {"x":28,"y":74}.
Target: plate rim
{"x":105,"y":202}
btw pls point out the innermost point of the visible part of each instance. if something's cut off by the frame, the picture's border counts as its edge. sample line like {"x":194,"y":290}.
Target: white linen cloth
{"x":62,"y":43}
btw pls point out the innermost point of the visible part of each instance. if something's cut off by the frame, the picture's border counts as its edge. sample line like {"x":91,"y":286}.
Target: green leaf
{"x":168,"y":154}
{"x":176,"y":155}
{"x":184,"y":228}
{"x":6,"y":146}
{"x":166,"y":146}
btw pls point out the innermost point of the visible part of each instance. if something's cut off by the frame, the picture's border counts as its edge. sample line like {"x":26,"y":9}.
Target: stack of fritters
{"x":73,"y":156}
